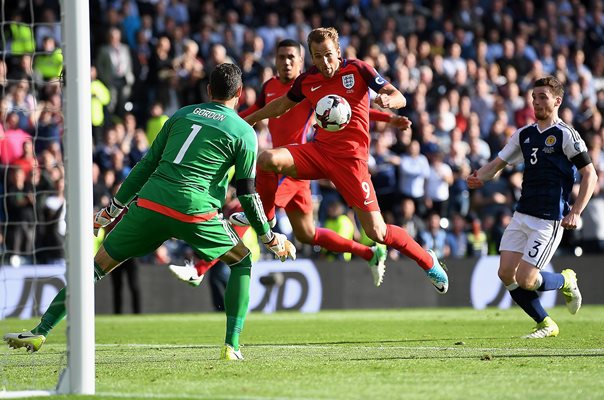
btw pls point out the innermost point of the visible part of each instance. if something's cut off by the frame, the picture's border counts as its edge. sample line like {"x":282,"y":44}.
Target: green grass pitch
{"x":371,"y":354}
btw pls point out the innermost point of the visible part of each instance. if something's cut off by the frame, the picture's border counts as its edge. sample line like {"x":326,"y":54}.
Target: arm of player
{"x":245,"y":184}
{"x":248,"y":111}
{"x":133,"y":182}
{"x":276,"y":243}
{"x":273,"y":109}
{"x":397,"y":121}
{"x":485,"y":173}
{"x":589,"y":179}
{"x":106,"y":215}
{"x":390,"y":97}
{"x":145,"y":167}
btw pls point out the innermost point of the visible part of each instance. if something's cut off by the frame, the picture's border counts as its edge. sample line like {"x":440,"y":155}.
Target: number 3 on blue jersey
{"x":534,"y":155}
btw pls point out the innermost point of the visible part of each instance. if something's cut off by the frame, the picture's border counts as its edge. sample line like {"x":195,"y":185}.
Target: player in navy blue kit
{"x":550,"y":150}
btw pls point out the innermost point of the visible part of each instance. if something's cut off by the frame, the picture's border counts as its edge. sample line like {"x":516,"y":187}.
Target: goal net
{"x":46,"y":193}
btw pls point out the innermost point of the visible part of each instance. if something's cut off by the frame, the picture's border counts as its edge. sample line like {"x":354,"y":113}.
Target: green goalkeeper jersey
{"x":186,"y":168}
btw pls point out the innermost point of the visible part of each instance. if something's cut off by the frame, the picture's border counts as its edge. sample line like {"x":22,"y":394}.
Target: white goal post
{"x":79,"y":375}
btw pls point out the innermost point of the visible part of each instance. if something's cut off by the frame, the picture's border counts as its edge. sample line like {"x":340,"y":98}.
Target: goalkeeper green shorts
{"x":141,"y":231}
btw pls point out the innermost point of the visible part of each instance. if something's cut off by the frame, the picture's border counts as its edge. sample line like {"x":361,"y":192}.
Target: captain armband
{"x":580,"y":160}
{"x":245,"y":186}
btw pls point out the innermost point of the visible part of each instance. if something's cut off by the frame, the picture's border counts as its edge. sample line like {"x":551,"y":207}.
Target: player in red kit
{"x":348,"y":149}
{"x":294,"y":195}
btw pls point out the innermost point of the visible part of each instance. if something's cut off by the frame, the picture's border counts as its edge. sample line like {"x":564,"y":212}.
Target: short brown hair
{"x":553,"y":83}
{"x":320,"y":35}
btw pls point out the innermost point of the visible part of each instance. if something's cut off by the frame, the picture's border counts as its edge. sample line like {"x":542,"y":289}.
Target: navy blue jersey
{"x":548,"y":169}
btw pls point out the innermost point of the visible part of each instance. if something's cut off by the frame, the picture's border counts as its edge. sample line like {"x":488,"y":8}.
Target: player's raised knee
{"x":267,"y":161}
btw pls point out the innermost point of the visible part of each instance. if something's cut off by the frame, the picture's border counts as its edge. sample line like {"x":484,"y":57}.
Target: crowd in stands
{"x":465,"y":67}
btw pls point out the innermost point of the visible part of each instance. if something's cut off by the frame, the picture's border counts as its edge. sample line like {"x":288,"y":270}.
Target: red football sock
{"x":266,"y":186}
{"x":203,"y":266}
{"x":331,"y":241}
{"x":399,"y":239}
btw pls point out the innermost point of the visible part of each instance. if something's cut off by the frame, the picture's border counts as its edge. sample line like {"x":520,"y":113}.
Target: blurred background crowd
{"x":466,"y":68}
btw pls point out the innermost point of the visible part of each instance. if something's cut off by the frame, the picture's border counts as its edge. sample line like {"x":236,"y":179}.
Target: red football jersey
{"x":352,"y":81}
{"x":291,"y":127}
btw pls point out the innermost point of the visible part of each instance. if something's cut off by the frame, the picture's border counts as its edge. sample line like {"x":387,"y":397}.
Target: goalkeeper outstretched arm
{"x":245,"y":183}
{"x":134,"y":181}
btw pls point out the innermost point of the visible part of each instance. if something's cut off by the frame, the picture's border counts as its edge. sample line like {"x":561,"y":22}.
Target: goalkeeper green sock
{"x":236,"y":299}
{"x":56,"y":311}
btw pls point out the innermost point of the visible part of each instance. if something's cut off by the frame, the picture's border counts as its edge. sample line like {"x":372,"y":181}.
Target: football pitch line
{"x":197,"y":396}
{"x":565,"y":351}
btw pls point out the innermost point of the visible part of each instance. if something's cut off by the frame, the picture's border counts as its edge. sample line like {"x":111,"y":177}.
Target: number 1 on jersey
{"x":185,"y":146}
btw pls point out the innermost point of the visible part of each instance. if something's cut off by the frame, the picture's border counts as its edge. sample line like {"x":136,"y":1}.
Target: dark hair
{"x":553,"y":83}
{"x":290,"y":43}
{"x":225,"y":80}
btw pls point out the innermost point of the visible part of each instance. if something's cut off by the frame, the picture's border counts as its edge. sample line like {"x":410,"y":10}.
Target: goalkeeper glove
{"x":279,"y":246}
{"x":106,"y":215}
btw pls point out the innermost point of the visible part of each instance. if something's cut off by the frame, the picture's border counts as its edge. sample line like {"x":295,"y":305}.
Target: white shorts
{"x":537,"y":239}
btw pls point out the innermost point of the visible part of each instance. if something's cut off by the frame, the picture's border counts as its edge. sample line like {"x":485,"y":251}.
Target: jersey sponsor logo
{"x":580,"y":147}
{"x":527,"y":140}
{"x":368,"y":202}
{"x":270,"y":94}
{"x":379,"y":80}
{"x":550,"y":140}
{"x":313,"y":88}
{"x":348,"y":81}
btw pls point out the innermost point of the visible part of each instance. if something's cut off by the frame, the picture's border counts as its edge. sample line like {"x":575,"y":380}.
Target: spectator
{"x":20,"y":217}
{"x":409,"y":219}
{"x":271,"y":33}
{"x":161,"y":72}
{"x":414,"y":170}
{"x":27,"y":161}
{"x":457,"y":237}
{"x":114,"y":65}
{"x":157,"y":120}
{"x":23,"y":104}
{"x":190,"y":71}
{"x":101,"y":98}
{"x":51,"y":234}
{"x":12,"y":139}
{"x":49,"y":64}
{"x":110,"y":145}
{"x":50,"y":27}
{"x":131,"y":22}
{"x":437,"y":185}
{"x":19,"y":34}
{"x":341,"y":224}
{"x":383,"y":168}
{"x":477,"y":238}
{"x":48,"y":133}
{"x":434,"y":236}
{"x":503,"y":220}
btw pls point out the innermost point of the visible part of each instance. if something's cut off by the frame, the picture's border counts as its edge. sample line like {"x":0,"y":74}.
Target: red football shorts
{"x":350,"y":175}
{"x":294,"y":194}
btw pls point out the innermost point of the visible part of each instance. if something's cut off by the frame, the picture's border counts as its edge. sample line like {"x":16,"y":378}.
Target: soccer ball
{"x":332,"y":112}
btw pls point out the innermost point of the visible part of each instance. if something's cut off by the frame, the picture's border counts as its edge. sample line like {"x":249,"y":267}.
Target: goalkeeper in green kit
{"x":181,"y":185}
